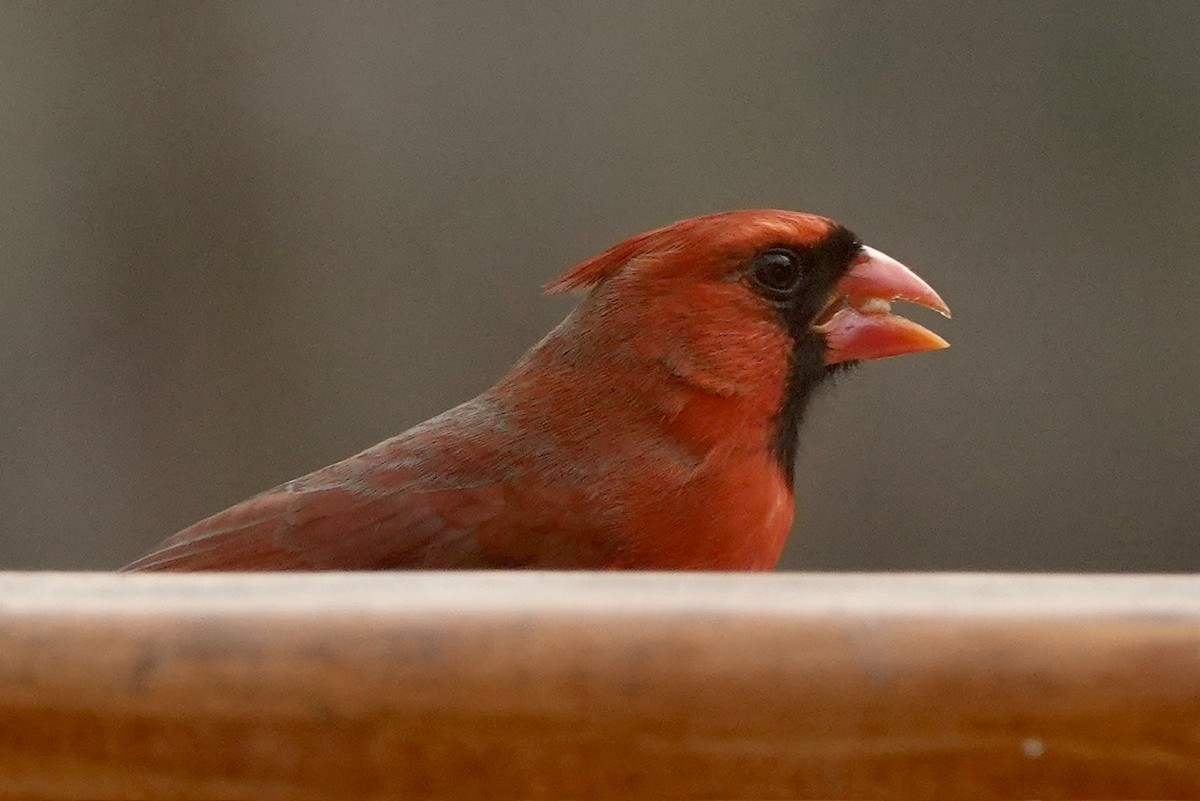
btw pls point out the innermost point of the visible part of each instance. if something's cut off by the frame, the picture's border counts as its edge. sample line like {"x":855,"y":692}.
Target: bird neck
{"x":590,"y":380}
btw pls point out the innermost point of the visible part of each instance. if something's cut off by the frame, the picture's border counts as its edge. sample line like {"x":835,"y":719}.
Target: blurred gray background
{"x":240,"y":241}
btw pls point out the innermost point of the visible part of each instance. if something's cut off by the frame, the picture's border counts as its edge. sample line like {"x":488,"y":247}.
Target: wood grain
{"x":626,"y":686}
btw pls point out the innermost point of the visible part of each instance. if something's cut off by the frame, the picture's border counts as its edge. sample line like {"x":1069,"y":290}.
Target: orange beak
{"x":856,"y":323}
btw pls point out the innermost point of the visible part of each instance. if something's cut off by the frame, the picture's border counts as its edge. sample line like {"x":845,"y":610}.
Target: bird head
{"x":756,"y":305}
{"x":808,"y":275}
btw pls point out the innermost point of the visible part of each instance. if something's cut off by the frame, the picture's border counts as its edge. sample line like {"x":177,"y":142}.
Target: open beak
{"x":857,"y":324}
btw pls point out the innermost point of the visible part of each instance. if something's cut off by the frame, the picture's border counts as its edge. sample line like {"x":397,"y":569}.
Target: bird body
{"x":654,"y":428}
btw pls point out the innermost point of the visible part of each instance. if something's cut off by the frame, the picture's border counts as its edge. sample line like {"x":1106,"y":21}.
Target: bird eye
{"x":778,"y":272}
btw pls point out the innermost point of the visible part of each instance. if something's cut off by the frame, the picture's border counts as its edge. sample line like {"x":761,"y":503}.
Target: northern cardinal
{"x":654,"y":428}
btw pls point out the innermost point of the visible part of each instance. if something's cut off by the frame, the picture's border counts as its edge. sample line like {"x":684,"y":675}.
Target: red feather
{"x":643,"y":432}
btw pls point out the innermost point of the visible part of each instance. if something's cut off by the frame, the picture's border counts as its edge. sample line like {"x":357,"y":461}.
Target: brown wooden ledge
{"x":614,"y":686}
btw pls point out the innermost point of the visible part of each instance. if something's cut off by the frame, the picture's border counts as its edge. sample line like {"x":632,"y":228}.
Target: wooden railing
{"x":541,"y":686}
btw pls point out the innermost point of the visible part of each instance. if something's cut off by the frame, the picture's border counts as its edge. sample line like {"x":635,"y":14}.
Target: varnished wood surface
{"x":541,"y":686}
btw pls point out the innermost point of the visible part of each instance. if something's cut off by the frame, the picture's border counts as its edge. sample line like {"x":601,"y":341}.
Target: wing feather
{"x":409,"y":502}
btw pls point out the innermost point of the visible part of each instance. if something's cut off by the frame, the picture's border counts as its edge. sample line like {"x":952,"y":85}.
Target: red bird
{"x":654,"y":428}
